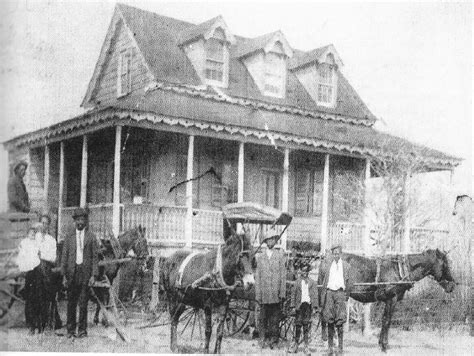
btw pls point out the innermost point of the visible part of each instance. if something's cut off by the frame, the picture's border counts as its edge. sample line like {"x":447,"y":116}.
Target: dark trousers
{"x":334,"y":311}
{"x":270,"y":318}
{"x":33,"y":298}
{"x":78,"y":293}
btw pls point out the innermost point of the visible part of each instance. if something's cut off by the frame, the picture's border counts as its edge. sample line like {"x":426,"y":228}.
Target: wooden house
{"x":169,"y":99}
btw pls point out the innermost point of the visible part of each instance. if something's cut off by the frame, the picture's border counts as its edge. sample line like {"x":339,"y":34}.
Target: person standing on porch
{"x":18,"y":200}
{"x":270,"y":289}
{"x":79,"y":266}
{"x":337,"y":286}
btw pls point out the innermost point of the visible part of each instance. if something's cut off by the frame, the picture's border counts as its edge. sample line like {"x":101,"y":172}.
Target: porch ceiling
{"x":223,"y":118}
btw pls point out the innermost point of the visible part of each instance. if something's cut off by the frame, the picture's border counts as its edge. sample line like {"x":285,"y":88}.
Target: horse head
{"x":238,"y":254}
{"x":135,"y":240}
{"x":440,"y":269}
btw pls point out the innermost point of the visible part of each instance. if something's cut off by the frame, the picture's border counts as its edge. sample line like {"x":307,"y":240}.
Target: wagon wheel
{"x":287,"y":326}
{"x":237,"y":316}
{"x":356,"y":311}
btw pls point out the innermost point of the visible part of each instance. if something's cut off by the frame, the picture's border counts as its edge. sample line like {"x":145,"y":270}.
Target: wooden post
{"x":61,"y":190}
{"x":367,"y":251}
{"x":285,"y":189}
{"x":188,"y":228}
{"x":406,"y":220}
{"x":116,"y":197}
{"x":240,"y":169}
{"x":47,"y":173}
{"x":83,"y":199}
{"x":325,"y":206}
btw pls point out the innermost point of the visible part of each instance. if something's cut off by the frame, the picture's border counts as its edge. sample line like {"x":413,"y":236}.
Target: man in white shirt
{"x":335,"y":276}
{"x":79,"y":265}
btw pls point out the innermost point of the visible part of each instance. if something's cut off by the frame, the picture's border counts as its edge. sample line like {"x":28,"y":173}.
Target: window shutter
{"x":302,"y":192}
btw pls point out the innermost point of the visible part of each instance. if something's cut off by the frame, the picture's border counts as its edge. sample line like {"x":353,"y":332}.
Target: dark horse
{"x":411,"y":267}
{"x":133,"y":240}
{"x":202,"y":280}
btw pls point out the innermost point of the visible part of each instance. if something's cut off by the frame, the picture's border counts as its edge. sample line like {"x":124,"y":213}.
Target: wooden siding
{"x":36,"y":182}
{"x":106,"y":89}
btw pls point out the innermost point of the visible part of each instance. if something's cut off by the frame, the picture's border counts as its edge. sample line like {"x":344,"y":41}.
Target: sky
{"x":411,"y":63}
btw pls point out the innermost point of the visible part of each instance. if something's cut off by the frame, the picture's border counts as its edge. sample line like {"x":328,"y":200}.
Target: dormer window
{"x":327,"y":81}
{"x":124,"y":76}
{"x":216,"y":58}
{"x":275,"y":73}
{"x":326,"y":84}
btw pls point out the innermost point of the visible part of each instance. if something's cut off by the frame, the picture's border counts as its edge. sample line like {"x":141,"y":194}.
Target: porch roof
{"x":188,"y":111}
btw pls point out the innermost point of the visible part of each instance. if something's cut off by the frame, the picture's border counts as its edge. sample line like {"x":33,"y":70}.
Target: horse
{"x":393,"y":269}
{"x":203,"y":280}
{"x":131,"y":240}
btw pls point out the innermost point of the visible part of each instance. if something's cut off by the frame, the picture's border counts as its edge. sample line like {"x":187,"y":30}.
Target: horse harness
{"x":216,"y":275}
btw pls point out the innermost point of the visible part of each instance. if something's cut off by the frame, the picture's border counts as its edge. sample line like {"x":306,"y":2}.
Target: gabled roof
{"x":301,"y":58}
{"x":205,"y":30}
{"x":265,"y":42}
{"x":158,"y":40}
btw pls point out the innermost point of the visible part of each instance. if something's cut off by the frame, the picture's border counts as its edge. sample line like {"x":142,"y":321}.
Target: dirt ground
{"x":14,"y":337}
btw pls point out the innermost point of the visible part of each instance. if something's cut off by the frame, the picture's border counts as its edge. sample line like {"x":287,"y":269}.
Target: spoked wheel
{"x":192,"y":324}
{"x":287,"y":327}
{"x":237,"y":316}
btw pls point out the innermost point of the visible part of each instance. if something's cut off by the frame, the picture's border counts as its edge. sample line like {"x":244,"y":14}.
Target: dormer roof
{"x":318,"y":55}
{"x":265,"y":42}
{"x":206,"y":30}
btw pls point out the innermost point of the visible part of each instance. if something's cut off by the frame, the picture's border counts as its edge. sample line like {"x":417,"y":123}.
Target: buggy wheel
{"x":192,"y":324}
{"x":237,"y":316}
{"x":287,"y":327}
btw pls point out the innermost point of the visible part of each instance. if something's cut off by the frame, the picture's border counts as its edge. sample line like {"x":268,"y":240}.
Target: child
{"x":304,"y":299}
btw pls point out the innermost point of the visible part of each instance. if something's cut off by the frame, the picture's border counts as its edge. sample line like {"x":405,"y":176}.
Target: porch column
{"x":188,"y":228}
{"x":406,"y":217}
{"x":285,"y":189}
{"x":325,"y":206}
{"x":84,"y":173}
{"x":47,"y":173}
{"x":116,"y":198}
{"x":61,"y":190}
{"x":366,"y":328}
{"x":240,"y":170}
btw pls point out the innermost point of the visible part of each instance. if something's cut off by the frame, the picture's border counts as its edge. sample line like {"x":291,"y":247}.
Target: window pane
{"x":214,"y":70}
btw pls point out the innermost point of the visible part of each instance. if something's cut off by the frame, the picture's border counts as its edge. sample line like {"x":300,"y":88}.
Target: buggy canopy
{"x":254,"y":213}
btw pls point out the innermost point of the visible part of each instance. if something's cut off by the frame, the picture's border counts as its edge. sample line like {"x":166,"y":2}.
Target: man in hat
{"x":17,"y":195}
{"x":336,"y":277}
{"x":304,"y":298}
{"x":270,"y":289}
{"x":79,"y":266}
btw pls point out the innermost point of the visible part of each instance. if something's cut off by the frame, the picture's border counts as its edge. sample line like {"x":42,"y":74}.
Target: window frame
{"x":223,"y":62}
{"x":126,"y":53}
{"x":277,"y":174}
{"x":275,"y":70}
{"x":324,"y":85}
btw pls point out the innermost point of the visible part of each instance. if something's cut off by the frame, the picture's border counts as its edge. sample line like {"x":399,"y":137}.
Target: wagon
{"x":13,"y":227}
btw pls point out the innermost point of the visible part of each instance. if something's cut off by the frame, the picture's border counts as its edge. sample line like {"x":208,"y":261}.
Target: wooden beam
{"x":406,"y":217}
{"x":47,"y":173}
{"x":61,"y":189}
{"x":116,"y":196}
{"x":240,"y":169}
{"x":285,"y":190}
{"x":366,"y":241}
{"x":83,"y":199}
{"x":188,"y":228}
{"x":325,"y":206}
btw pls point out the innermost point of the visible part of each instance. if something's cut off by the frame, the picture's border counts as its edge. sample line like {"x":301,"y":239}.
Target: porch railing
{"x":207,"y":227}
{"x":100,"y":220}
{"x":163,"y":224}
{"x":349,"y":234}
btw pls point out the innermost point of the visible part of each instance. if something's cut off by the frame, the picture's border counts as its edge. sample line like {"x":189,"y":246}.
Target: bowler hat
{"x":335,"y":246}
{"x":80,"y":212}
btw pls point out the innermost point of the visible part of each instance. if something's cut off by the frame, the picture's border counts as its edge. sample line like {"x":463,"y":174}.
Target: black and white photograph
{"x":236,"y":177}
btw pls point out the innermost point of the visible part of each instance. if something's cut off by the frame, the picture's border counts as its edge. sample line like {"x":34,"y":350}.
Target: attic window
{"x":275,"y":74}
{"x":215,"y":60}
{"x":326,"y":84}
{"x":124,"y":76}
